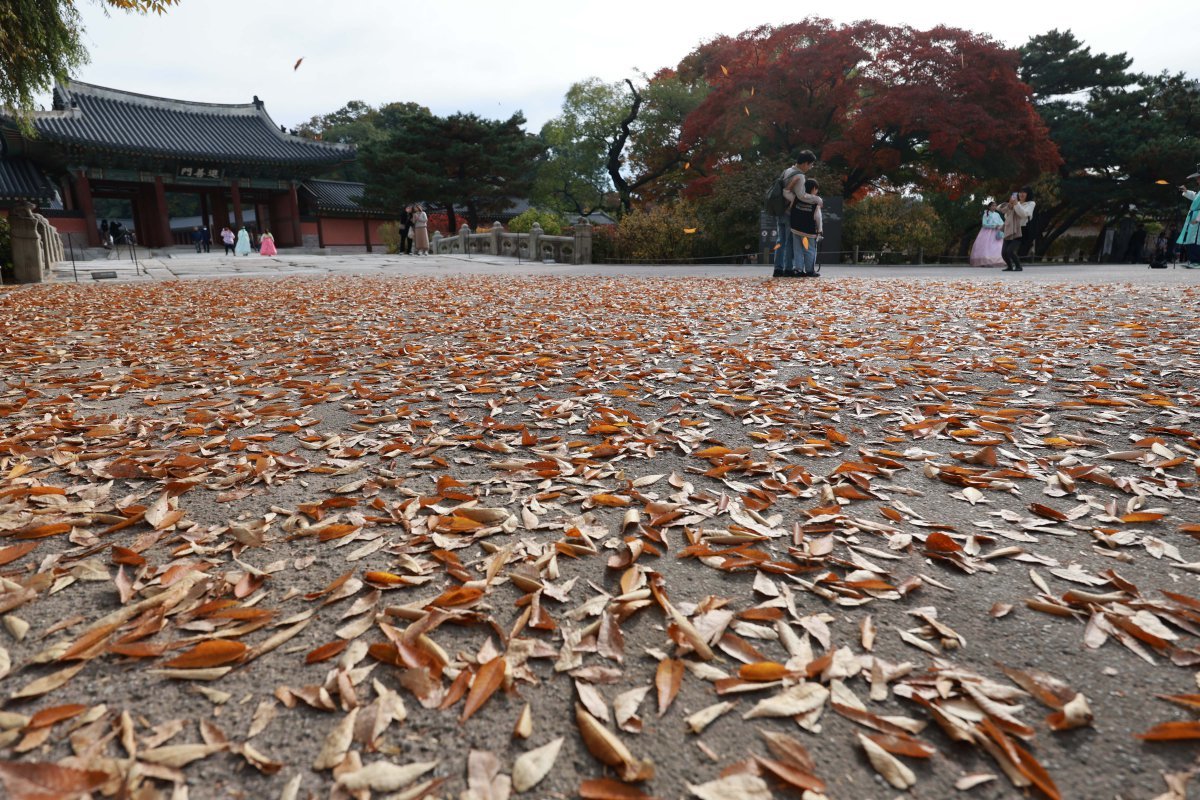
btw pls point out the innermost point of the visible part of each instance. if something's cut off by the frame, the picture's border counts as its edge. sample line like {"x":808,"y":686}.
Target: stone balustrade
{"x":36,"y":245}
{"x":534,"y":246}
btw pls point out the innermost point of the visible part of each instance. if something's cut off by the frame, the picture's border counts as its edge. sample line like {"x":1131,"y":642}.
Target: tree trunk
{"x":617,"y":145}
{"x":453,"y":220}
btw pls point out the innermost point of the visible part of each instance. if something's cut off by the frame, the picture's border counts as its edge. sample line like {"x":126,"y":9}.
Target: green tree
{"x":461,"y":162}
{"x":615,"y":137}
{"x":1119,"y":133}
{"x":573,"y":177}
{"x":356,"y":123}
{"x":41,"y":41}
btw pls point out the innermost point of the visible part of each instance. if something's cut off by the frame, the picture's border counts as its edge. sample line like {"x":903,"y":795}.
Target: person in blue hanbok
{"x":243,"y":242}
{"x":986,"y":250}
{"x":1189,"y":237}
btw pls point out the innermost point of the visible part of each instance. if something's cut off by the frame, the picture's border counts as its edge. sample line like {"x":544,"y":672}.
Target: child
{"x":807,"y":226}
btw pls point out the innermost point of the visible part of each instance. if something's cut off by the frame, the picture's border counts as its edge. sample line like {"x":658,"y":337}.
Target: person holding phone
{"x":1017,"y":211}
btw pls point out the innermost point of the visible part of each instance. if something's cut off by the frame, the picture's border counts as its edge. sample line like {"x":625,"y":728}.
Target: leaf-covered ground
{"x":600,"y":538}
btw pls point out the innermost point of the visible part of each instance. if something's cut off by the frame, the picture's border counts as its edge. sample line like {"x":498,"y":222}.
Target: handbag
{"x":999,"y":234}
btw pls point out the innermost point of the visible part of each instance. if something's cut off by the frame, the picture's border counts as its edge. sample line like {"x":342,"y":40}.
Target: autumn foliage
{"x":941,"y":108}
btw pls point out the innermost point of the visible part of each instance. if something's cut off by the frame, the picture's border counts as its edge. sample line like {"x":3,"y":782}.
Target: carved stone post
{"x":464,"y":238}
{"x":535,"y":242}
{"x":583,"y":242}
{"x":28,"y":263}
{"x":435,"y":243}
{"x":497,"y":235}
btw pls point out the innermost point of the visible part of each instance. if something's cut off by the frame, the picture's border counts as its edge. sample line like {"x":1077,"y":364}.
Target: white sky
{"x":495,"y":58}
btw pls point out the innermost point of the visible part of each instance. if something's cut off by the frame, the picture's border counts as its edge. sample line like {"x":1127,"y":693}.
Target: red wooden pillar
{"x":235,"y":195}
{"x":64,"y":186}
{"x":367,"y":232}
{"x":220,"y":210}
{"x":83,"y":193}
{"x":162,"y":215}
{"x":205,"y":220}
{"x":320,"y":233}
{"x":294,"y":213}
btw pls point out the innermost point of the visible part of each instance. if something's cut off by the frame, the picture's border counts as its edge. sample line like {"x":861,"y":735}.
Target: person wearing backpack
{"x":780,"y":197}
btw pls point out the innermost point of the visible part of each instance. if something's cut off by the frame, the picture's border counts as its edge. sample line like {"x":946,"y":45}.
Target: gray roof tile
{"x":111,"y":119}
{"x":21,"y":180}
{"x":340,"y":196}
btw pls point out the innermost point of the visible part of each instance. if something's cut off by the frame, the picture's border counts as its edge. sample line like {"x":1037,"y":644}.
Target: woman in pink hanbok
{"x":990,"y":241}
{"x":266,"y":245}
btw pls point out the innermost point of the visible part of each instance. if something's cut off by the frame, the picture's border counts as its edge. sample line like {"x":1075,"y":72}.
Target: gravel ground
{"x":908,"y":492}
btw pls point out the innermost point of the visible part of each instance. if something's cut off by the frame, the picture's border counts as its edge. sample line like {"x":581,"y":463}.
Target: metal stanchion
{"x":71,"y":247}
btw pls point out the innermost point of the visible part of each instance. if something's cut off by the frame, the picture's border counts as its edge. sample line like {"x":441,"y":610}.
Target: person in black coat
{"x":405,"y":224}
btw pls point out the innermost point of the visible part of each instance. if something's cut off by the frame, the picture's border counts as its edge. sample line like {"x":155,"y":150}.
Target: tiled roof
{"x":340,"y":196}
{"x":21,"y":180}
{"x":111,"y":119}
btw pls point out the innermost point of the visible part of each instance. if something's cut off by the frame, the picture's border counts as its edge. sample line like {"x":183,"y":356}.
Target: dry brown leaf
{"x":336,"y":743}
{"x":212,"y":653}
{"x":668,"y":678}
{"x":43,"y":781}
{"x":531,"y":767}
{"x":891,"y":768}
{"x":384,"y":776}
{"x":487,"y":680}
{"x":733,"y":787}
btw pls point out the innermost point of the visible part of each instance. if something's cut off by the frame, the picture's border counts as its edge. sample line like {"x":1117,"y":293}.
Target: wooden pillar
{"x":205,"y":220}
{"x":320,"y":232}
{"x":144,"y":214}
{"x":64,"y":186}
{"x":235,"y":195}
{"x":161,"y":215}
{"x":83,"y":193}
{"x":294,"y":213}
{"x":220,"y":210}
{"x":367,"y":232}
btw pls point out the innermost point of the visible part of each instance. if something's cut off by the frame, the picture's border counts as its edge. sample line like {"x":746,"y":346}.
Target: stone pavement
{"x":185,"y":264}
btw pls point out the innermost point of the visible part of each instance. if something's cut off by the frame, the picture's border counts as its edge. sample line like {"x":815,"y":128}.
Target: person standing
{"x":105,"y":236}
{"x":227,"y":239}
{"x":420,"y":223}
{"x":986,"y":250}
{"x":805,"y":225}
{"x":1189,"y":237}
{"x":404,"y":223}
{"x":243,"y":242}
{"x":785,"y":265}
{"x":1017,"y":212}
{"x":198,"y":239}
{"x":266,"y":245}
{"x":206,"y":238}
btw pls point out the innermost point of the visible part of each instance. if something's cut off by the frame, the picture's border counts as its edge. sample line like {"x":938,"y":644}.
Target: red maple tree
{"x":937,"y":108}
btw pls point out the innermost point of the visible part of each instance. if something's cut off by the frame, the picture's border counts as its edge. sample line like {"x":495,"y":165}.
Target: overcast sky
{"x":494,"y":59}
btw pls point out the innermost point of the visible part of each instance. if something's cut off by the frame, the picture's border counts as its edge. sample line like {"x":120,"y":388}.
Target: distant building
{"x":109,"y":143}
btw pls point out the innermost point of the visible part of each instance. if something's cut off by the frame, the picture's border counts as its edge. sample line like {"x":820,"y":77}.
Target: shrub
{"x":551,"y":222}
{"x":440,"y":221}
{"x":6,"y":265}
{"x":658,"y":234}
{"x":897,"y":226}
{"x":389,"y":232}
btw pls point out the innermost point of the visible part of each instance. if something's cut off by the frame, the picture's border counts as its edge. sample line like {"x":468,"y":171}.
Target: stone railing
{"x":533,"y":246}
{"x":36,"y":245}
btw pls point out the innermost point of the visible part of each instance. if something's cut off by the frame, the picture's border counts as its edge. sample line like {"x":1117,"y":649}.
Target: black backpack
{"x":774,"y":202}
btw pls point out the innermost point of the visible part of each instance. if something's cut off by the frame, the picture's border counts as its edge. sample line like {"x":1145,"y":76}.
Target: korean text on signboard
{"x":200,"y":172}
